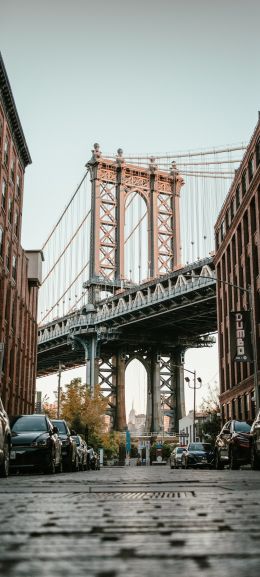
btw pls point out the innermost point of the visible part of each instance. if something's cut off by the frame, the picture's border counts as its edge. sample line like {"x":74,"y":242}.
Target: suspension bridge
{"x":129,"y":274}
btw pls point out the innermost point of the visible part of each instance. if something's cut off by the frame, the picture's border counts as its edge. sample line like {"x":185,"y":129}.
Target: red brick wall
{"x":237,"y":261}
{"x":18,"y":300}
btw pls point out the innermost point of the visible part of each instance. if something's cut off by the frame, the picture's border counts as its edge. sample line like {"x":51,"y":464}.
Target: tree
{"x":211,"y":406}
{"x":210,"y":403}
{"x":84,"y":413}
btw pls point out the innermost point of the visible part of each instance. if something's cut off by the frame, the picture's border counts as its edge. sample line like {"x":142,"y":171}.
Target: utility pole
{"x":194,"y":387}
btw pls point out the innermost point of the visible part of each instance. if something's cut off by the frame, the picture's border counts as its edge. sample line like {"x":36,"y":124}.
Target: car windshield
{"x":29,"y":423}
{"x":241,"y":427}
{"x":200,"y":447}
{"x":180,"y":449}
{"x":61,"y":427}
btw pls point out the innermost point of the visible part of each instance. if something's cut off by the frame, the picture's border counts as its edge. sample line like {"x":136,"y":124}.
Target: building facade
{"x":237,"y":261}
{"x":20,"y":271}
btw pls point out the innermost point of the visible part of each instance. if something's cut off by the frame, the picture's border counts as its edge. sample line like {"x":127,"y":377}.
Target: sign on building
{"x":240,"y":336}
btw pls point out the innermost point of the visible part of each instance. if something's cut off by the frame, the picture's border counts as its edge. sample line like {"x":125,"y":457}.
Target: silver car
{"x":175,"y":457}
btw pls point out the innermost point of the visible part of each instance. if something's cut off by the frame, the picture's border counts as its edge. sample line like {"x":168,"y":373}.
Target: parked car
{"x":82,"y":451}
{"x":5,"y":442}
{"x":198,"y":455}
{"x":70,"y":458}
{"x":175,"y":457}
{"x":35,"y":444}
{"x":255,"y":443}
{"x":93,"y":460}
{"x":233,"y":445}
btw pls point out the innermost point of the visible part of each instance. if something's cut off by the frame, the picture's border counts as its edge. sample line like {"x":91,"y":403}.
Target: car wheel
{"x":233,"y":464}
{"x":219,"y":465}
{"x":59,"y":468}
{"x":255,"y":462}
{"x":4,"y":467}
{"x":75,"y":466}
{"x":50,"y":469}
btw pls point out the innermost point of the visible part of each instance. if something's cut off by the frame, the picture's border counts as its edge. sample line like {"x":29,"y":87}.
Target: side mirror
{"x":72,"y":432}
{"x":55,"y":430}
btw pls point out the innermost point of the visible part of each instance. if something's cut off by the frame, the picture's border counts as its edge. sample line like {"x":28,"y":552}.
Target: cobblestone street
{"x":133,"y":521}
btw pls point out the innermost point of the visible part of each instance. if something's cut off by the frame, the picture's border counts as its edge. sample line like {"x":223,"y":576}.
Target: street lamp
{"x":61,"y":366}
{"x":197,"y":383}
{"x":248,"y":291}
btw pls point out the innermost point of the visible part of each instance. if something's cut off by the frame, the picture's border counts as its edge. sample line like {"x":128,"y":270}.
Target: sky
{"x":145,"y":75}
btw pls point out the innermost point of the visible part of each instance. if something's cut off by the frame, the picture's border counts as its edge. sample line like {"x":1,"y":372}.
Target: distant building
{"x":237,"y":262}
{"x":186,"y":427}
{"x":136,"y":423}
{"x":20,"y":271}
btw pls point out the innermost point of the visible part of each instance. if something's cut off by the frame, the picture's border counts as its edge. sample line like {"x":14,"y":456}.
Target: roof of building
{"x":12,"y":115}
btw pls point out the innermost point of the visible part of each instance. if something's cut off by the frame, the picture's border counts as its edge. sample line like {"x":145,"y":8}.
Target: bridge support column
{"x":92,"y":364}
{"x":179,"y":388}
{"x":156,"y":421}
{"x":120,"y":424}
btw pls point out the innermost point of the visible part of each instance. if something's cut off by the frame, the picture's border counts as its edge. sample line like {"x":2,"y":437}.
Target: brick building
{"x":237,"y":261}
{"x":19,"y":270}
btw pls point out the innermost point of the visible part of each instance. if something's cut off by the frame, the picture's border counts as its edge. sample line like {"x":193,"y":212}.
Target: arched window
{"x":10,"y":210}
{"x":1,"y":241}
{"x":4,"y":194}
{"x":8,"y":256}
{"x":14,"y":266}
{"x":243,"y":183}
{"x":257,"y":153}
{"x":250,"y":168}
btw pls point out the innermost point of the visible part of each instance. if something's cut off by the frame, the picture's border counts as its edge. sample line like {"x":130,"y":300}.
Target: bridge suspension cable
{"x":207,"y":173}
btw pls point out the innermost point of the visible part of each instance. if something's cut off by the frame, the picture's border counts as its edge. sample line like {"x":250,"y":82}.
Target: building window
{"x":10,"y":210}
{"x":4,"y":194}
{"x":12,"y":170}
{"x":250,"y":168}
{"x":232,"y":209}
{"x":1,"y":241}
{"x":8,"y":256}
{"x":6,"y":152}
{"x":14,"y":267}
{"x":18,"y":185}
{"x":257,"y":153}
{"x":238,"y":196}
{"x":13,"y":315}
{"x":243,"y":183}
{"x":222,"y":230}
{"x":16,"y":224}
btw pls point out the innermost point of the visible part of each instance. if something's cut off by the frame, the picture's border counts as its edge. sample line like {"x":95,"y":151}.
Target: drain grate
{"x":143,"y":495}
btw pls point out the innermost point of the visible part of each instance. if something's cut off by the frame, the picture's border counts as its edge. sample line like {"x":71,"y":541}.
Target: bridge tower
{"x":112,"y":181}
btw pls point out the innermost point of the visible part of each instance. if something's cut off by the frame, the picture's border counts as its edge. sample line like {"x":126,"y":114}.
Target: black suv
{"x":233,"y":445}
{"x":69,"y":451}
{"x":255,"y":443}
{"x":5,"y":442}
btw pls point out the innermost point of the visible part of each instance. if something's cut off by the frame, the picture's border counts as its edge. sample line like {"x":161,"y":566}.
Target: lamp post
{"x":248,"y":291}
{"x":195,"y":386}
{"x":61,"y":366}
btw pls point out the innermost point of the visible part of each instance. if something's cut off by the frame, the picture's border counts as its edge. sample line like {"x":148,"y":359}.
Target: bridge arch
{"x":136,"y":392}
{"x":136,"y":267}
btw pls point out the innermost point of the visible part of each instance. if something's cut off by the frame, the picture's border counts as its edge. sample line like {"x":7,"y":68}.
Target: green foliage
{"x":166,"y":451}
{"x":134,"y":451}
{"x":211,"y":428}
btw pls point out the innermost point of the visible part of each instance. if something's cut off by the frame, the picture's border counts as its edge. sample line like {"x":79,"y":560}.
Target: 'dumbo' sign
{"x":240,"y":336}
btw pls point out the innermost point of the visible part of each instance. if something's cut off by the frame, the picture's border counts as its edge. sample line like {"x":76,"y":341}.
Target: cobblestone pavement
{"x":132,"y":521}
